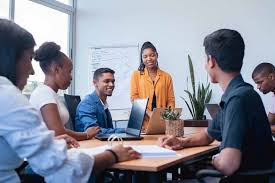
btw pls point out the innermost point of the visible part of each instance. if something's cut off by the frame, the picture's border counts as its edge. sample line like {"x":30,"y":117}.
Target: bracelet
{"x":114,"y":154}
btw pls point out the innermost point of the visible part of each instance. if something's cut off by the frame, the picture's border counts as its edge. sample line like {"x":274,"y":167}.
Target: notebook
{"x":134,"y":124}
{"x":156,"y":125}
{"x":146,"y":151}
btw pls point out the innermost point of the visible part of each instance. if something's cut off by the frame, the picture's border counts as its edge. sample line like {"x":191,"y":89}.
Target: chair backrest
{"x":201,"y":174}
{"x":72,"y":102}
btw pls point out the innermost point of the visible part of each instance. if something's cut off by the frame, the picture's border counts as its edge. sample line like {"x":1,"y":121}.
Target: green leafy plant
{"x":198,"y":98}
{"x":170,"y":114}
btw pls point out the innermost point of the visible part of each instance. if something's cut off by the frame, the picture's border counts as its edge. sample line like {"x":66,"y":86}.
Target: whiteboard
{"x":123,"y":59}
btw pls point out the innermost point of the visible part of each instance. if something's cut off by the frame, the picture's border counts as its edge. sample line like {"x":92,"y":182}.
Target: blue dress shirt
{"x":90,"y":113}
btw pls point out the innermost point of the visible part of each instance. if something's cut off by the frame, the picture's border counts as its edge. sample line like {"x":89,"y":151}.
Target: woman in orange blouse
{"x":151,"y":82}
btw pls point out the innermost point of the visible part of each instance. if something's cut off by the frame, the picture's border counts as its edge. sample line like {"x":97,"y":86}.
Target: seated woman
{"x":23,"y":135}
{"x":57,"y":68}
{"x":151,"y":82}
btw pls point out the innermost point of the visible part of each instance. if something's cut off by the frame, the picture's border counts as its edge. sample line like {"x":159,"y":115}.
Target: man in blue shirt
{"x":241,"y":124}
{"x":93,"y":110}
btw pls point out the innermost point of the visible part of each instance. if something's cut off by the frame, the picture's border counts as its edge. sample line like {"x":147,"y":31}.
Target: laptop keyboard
{"x":123,"y":135}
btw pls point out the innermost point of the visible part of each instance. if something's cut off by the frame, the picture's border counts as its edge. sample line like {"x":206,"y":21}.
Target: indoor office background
{"x":176,"y":27}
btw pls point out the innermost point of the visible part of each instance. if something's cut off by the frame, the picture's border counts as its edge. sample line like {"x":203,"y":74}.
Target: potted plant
{"x":173,"y":124}
{"x":198,"y":97}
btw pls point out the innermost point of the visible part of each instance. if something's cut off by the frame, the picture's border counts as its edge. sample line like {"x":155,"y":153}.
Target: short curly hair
{"x":47,"y":54}
{"x":263,"y":68}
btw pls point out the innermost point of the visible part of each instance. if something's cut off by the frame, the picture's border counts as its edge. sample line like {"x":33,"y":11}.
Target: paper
{"x":146,"y":151}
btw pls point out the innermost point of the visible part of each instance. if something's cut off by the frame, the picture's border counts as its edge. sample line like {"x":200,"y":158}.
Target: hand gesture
{"x":92,"y":131}
{"x":170,"y":142}
{"x":71,"y":142}
{"x":125,"y":153}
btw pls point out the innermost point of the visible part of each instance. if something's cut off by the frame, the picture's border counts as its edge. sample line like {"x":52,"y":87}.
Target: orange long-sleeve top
{"x":142,"y":86}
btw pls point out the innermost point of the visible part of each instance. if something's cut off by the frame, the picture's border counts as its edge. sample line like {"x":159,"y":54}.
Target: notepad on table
{"x":146,"y":151}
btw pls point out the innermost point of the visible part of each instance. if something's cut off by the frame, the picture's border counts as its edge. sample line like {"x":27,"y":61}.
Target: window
{"x":4,"y":8}
{"x":46,"y":24}
{"x":47,"y":20}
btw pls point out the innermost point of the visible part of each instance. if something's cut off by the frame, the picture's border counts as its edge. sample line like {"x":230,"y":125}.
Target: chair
{"x":214,"y":173}
{"x":200,"y":175}
{"x":72,"y":102}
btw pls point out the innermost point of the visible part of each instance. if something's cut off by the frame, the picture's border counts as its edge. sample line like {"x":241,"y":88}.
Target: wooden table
{"x":155,"y":165}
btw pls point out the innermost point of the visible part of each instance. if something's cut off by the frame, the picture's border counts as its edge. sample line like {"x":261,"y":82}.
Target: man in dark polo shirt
{"x":241,"y":124}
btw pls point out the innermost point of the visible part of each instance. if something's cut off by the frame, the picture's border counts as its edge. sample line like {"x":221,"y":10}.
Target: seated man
{"x":93,"y":110}
{"x":241,"y":124}
{"x":264,"y":76}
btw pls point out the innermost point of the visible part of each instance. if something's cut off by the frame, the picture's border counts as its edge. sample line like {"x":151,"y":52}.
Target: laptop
{"x":212,"y":109}
{"x":134,"y":124}
{"x":156,"y":125}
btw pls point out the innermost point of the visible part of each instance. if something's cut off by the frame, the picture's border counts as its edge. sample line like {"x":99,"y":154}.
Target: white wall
{"x":177,"y":28}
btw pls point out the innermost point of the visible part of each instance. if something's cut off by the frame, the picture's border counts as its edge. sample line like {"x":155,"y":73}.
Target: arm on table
{"x":198,"y":139}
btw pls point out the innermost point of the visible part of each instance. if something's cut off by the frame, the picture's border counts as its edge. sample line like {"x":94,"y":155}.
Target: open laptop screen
{"x":137,"y":115}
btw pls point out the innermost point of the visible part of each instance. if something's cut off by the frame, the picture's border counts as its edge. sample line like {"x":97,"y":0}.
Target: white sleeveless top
{"x":44,"y":95}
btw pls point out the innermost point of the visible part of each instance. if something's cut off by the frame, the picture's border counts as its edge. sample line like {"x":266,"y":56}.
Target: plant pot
{"x":174,"y":127}
{"x":195,"y":123}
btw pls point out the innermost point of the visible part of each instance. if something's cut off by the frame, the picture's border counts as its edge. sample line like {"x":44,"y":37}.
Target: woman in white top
{"x":57,"y":68}
{"x":23,"y":135}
